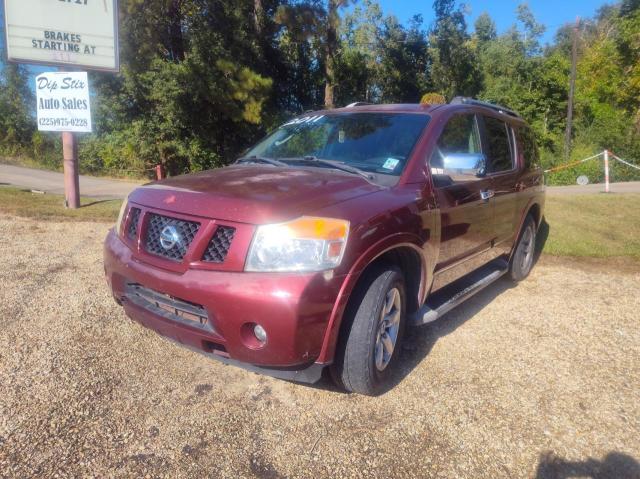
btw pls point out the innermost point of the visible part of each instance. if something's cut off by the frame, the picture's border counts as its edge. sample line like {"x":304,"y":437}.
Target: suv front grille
{"x":219,"y":245}
{"x":132,"y":230}
{"x":169,"y":237}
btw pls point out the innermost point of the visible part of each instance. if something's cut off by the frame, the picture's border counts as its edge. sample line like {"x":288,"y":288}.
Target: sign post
{"x":64,"y":105}
{"x":72,"y":34}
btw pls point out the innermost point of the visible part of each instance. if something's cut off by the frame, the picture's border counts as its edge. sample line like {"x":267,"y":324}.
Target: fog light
{"x":261,"y":334}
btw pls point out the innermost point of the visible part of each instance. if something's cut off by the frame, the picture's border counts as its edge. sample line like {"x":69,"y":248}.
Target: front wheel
{"x":523,"y":255}
{"x":370,"y":341}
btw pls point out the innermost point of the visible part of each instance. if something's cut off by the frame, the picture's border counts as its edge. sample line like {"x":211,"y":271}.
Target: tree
{"x":317,"y":20}
{"x":404,"y":61}
{"x":454,"y":69}
{"x":485,"y":28}
{"x":17,"y":101}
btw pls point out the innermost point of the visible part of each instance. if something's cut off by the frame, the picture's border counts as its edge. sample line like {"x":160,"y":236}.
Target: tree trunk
{"x":258,"y":16}
{"x":331,"y":51}
{"x":176,"y":40}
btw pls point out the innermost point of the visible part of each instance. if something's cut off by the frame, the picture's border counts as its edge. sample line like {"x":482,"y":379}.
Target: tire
{"x":377,"y":311}
{"x":523,"y":255}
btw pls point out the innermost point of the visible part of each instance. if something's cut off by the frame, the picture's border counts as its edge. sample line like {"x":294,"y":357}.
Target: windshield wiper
{"x":260,"y":159}
{"x":338,"y":165}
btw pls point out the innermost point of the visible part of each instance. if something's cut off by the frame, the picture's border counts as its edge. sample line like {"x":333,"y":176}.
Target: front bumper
{"x":294,"y":309}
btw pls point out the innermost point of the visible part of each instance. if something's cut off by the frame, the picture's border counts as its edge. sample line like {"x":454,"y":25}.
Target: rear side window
{"x":499,"y":149}
{"x":529,"y":148}
{"x":460,"y":135}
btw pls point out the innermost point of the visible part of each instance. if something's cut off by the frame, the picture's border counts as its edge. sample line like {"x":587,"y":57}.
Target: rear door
{"x":466,"y":216}
{"x":499,"y":146}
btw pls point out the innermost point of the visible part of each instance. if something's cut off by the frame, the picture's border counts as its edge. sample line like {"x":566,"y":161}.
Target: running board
{"x":447,"y":298}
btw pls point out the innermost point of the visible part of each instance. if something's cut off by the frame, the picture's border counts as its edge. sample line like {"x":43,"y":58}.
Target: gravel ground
{"x":540,"y":380}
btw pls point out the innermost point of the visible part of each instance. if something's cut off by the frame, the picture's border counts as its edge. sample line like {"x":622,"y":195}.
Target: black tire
{"x":523,"y":256}
{"x":357,"y":366}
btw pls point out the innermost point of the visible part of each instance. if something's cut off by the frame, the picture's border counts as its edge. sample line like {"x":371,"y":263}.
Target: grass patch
{"x":20,"y":202}
{"x":597,"y":225}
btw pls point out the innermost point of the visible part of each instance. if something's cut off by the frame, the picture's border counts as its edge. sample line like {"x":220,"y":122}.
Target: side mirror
{"x":465,"y":166}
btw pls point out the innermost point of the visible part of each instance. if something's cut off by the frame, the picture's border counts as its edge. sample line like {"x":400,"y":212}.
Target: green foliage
{"x":201,"y":80}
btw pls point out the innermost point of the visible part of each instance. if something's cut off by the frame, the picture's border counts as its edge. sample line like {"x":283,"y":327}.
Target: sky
{"x":552,"y":13}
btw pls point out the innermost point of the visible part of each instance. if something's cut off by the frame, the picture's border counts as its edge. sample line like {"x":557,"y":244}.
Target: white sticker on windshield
{"x":390,"y":164}
{"x":304,"y":119}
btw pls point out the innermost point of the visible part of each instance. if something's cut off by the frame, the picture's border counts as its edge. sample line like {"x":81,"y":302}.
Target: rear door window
{"x":529,"y":148}
{"x":499,"y":147}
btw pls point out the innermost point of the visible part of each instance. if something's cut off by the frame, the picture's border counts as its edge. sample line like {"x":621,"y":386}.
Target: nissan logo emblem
{"x":169,"y":237}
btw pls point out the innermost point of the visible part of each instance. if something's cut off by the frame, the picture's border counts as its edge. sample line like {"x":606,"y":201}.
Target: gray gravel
{"x":539,"y":380}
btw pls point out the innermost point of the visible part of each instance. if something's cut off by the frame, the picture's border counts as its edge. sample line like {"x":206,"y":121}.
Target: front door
{"x":466,"y":212}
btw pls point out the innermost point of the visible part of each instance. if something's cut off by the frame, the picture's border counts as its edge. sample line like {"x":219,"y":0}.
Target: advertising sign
{"x":63,"y":102}
{"x":77,"y":33}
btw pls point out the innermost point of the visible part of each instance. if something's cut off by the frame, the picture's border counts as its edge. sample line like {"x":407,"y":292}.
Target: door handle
{"x":487,"y":194}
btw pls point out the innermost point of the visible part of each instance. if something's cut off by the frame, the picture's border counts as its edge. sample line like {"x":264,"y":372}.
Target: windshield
{"x":373,"y":142}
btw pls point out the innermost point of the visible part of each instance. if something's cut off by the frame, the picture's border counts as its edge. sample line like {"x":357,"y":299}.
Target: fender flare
{"x":378,"y":249}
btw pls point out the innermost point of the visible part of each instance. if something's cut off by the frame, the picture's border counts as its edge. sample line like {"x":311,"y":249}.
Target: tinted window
{"x":460,"y":135}
{"x":498,"y":152}
{"x":375,"y":142}
{"x":529,"y":148}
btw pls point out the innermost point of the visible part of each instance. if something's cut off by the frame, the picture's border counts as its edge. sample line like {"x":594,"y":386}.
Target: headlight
{"x":305,"y":244}
{"x":123,"y":210}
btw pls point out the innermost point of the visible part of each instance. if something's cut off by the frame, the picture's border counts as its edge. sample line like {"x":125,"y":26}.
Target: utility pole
{"x":572,"y":89}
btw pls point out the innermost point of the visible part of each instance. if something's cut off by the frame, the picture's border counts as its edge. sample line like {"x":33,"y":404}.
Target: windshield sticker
{"x":341,"y":136}
{"x":390,"y":164}
{"x":304,"y":119}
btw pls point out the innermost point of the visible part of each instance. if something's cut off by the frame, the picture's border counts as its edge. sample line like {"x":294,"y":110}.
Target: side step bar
{"x":447,"y":298}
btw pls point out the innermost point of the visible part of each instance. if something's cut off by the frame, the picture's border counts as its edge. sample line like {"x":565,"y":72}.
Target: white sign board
{"x":78,"y":33}
{"x":63,"y":101}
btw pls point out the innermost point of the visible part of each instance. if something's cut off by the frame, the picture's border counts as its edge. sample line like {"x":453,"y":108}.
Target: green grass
{"x":590,"y":225}
{"x":596,"y":225}
{"x":21,"y":202}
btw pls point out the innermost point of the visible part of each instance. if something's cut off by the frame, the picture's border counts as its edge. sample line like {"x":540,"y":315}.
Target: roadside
{"x":14,"y":201}
{"x":90,"y":186}
{"x":576,"y":225}
{"x":53,"y":182}
{"x":624,"y":187}
{"x":528,"y":381}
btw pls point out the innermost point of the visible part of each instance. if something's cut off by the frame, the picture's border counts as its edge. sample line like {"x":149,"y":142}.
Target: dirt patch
{"x":617,"y":264}
{"x":539,"y":380}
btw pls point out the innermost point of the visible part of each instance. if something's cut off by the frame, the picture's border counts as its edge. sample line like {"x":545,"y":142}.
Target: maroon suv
{"x":321,"y":243}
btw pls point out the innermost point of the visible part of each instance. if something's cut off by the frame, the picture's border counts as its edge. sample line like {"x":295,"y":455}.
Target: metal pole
{"x":606,"y":171}
{"x":70,"y":164}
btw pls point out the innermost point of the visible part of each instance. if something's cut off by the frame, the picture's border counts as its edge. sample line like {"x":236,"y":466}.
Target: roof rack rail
{"x":461,"y":100}
{"x":358,"y":103}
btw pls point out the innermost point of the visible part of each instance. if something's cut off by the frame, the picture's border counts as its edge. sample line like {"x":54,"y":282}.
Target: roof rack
{"x":358,"y":103}
{"x":461,"y":100}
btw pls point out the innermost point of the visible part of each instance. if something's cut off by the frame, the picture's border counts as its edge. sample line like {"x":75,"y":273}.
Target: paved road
{"x":53,"y":182}
{"x":628,"y":187}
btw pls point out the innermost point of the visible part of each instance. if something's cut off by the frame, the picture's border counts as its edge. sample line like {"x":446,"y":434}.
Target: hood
{"x":254,"y":194}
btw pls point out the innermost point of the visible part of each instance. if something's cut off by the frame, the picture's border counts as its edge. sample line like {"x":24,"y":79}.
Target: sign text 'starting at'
{"x":78,"y":33}
{"x":63,"y":101}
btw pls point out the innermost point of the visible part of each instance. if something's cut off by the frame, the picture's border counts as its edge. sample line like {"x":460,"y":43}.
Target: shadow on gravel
{"x":614,"y":466}
{"x":419,"y":341}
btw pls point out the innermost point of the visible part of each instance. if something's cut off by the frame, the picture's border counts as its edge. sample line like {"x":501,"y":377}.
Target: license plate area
{"x":168,"y":307}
